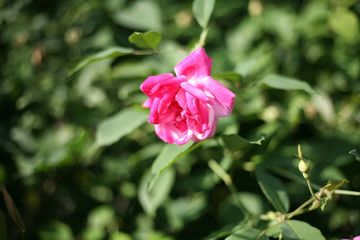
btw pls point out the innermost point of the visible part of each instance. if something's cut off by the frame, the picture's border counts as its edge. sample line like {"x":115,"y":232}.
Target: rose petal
{"x":147,"y":86}
{"x":191,"y":103}
{"x":196,"y":92}
{"x":194,"y":66}
{"x":208,"y":123}
{"x":154,"y":117}
{"x":169,"y":133}
{"x":147,"y":103}
{"x":224,"y":98}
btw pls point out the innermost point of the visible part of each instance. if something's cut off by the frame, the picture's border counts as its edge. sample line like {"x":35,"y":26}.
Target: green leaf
{"x":294,"y":230}
{"x":247,"y":234}
{"x":115,"y":127}
{"x":252,"y":203}
{"x":231,"y":76}
{"x":11,"y":208}
{"x":120,"y":236}
{"x":149,"y":39}
{"x":236,"y":142}
{"x":141,"y":15}
{"x":202,"y":10}
{"x":168,"y":156}
{"x":101,"y":217}
{"x":108,"y":53}
{"x":56,"y":230}
{"x":355,"y":153}
{"x":345,"y":23}
{"x":185,"y":209}
{"x":274,"y":191}
{"x":285,"y":83}
{"x":332,"y":185}
{"x":151,"y":199}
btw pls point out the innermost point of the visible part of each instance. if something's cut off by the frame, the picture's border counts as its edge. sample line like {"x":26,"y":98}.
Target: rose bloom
{"x":187,"y":106}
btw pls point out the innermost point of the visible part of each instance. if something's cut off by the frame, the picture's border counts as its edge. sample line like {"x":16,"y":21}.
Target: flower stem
{"x":300,"y":209}
{"x":347,"y":192}
{"x":311,"y":190}
{"x":202,"y":39}
{"x":220,"y":172}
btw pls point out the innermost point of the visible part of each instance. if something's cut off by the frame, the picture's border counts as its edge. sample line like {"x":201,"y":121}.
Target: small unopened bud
{"x":304,"y":167}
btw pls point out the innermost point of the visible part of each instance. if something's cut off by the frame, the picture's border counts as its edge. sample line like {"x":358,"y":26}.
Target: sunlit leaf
{"x":56,"y":230}
{"x":168,"y":156}
{"x":140,"y":15}
{"x":224,"y":231}
{"x":202,"y":10}
{"x":151,"y":199}
{"x":11,"y":208}
{"x":120,"y":236}
{"x":251,"y":202}
{"x":108,"y":53}
{"x":335,"y":184}
{"x":274,"y":191}
{"x":285,"y":83}
{"x":345,"y":23}
{"x":294,"y":229}
{"x":149,"y":39}
{"x":115,"y":127}
{"x":324,"y":203}
{"x":236,"y":142}
{"x":231,"y":76}
{"x":101,"y":216}
{"x":247,"y":234}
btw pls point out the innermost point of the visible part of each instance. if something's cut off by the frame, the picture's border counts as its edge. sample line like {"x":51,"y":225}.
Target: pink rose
{"x":187,"y":106}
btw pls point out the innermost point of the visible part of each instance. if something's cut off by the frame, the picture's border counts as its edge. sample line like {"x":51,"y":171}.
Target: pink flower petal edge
{"x":195,"y":66}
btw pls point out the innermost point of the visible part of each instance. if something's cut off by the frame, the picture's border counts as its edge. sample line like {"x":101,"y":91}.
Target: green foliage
{"x":345,"y":23}
{"x":274,"y":190}
{"x":113,"y":128}
{"x":153,"y":198}
{"x":247,"y":234}
{"x":56,"y":230}
{"x":80,"y":162}
{"x":167,"y":157}
{"x":285,"y":83}
{"x":295,"y":229}
{"x":134,"y":16}
{"x":202,"y":11}
{"x":145,"y":40}
{"x":108,"y":53}
{"x":236,"y":142}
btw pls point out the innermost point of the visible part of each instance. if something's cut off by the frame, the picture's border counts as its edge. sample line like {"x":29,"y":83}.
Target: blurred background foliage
{"x":67,"y":187}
